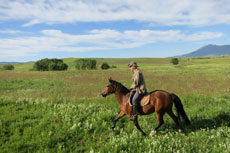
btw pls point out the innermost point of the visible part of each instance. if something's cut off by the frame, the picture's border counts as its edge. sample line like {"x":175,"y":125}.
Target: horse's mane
{"x":122,"y":89}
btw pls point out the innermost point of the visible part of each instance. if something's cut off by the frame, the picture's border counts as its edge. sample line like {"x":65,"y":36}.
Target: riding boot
{"x":134,"y":113}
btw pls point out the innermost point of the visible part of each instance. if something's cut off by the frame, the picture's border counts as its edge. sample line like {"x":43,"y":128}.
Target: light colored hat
{"x":132,"y":63}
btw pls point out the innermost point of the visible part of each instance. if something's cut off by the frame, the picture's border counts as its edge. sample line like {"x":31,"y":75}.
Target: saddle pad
{"x":144,"y":101}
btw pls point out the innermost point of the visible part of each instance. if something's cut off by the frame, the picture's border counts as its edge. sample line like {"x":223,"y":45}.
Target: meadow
{"x":62,"y":111}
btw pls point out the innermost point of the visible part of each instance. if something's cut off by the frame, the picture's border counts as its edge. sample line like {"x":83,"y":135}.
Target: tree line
{"x":58,"y":65}
{"x":80,"y":64}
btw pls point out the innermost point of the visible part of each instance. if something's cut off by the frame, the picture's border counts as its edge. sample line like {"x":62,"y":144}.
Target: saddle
{"x":145,"y":100}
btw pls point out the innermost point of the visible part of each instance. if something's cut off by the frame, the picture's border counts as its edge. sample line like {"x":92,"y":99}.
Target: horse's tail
{"x":179,"y":107}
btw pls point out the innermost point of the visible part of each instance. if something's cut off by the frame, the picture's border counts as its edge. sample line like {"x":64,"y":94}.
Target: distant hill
{"x":3,"y":63}
{"x":209,"y":50}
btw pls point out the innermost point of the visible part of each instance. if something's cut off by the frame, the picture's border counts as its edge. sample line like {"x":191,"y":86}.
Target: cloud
{"x":10,"y":32}
{"x":167,"y":12}
{"x":107,"y":39}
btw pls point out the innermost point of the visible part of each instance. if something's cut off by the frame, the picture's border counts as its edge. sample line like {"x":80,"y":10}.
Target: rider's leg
{"x":136,"y":100}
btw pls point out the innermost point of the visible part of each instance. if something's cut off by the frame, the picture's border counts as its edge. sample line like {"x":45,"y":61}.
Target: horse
{"x":161,"y":102}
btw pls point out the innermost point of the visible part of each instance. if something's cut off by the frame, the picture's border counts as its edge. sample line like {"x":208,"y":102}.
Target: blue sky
{"x":34,"y":29}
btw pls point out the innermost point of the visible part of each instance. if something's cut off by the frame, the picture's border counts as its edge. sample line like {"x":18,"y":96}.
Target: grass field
{"x":62,"y":111}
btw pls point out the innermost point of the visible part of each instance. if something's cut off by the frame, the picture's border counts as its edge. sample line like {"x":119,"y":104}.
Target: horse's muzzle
{"x":103,"y":95}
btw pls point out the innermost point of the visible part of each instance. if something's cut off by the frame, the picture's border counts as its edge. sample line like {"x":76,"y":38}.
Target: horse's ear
{"x":110,"y":79}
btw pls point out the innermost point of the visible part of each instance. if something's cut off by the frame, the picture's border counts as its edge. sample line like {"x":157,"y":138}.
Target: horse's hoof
{"x":180,"y":131}
{"x":153,"y":132}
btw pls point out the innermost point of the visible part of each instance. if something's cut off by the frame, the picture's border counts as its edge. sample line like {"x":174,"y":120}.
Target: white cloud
{"x":154,"y":12}
{"x":10,"y":31}
{"x":57,"y":41}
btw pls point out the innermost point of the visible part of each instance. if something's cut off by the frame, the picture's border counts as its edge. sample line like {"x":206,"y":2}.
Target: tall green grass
{"x":85,"y":125}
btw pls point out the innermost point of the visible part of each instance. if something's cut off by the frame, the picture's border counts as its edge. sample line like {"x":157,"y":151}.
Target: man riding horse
{"x":138,"y":88}
{"x":160,"y":101}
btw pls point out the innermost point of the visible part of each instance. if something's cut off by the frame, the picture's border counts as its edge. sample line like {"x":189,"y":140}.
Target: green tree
{"x":105,"y":66}
{"x":50,"y":65}
{"x":83,"y":64}
{"x":8,"y":67}
{"x":175,"y":61}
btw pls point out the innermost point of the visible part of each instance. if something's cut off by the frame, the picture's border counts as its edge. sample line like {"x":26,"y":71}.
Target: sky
{"x":31,"y":30}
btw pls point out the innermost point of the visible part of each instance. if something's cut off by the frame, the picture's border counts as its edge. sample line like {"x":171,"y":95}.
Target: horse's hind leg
{"x":160,"y":120}
{"x":173,"y":116}
{"x":120,"y":115}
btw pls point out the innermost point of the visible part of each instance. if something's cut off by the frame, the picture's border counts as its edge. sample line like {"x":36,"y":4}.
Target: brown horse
{"x":161,"y":102}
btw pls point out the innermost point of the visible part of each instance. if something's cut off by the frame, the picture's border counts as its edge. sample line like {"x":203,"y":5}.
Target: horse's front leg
{"x":120,"y":115}
{"x":138,"y":127}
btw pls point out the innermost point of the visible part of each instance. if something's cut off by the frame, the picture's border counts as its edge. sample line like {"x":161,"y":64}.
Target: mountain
{"x":209,"y":50}
{"x":3,"y":63}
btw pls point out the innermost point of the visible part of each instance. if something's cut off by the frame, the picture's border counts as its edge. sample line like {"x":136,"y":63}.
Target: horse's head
{"x":109,"y":89}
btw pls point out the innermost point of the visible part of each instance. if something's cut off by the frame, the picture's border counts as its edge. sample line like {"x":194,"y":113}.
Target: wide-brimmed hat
{"x":132,"y":63}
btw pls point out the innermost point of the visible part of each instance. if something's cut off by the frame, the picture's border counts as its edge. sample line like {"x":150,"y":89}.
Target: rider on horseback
{"x":138,"y":88}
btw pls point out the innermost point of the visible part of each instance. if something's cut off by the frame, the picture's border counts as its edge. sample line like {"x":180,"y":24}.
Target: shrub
{"x":105,"y":66}
{"x":113,"y":66}
{"x":8,"y":67}
{"x":82,"y":64}
{"x":174,"y":61}
{"x":50,"y":65}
